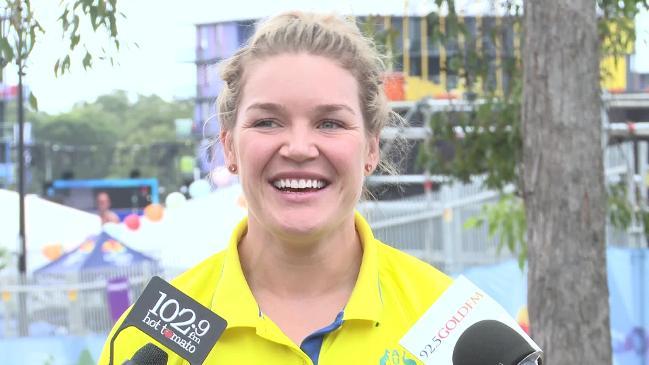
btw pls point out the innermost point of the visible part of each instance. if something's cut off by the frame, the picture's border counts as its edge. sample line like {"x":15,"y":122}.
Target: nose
{"x":300,"y":144}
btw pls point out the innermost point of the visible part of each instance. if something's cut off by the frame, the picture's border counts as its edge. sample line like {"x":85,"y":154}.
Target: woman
{"x":303,"y":281}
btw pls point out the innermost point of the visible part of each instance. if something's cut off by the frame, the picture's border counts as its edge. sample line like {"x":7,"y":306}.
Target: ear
{"x":373,"y":152}
{"x":227,"y":141}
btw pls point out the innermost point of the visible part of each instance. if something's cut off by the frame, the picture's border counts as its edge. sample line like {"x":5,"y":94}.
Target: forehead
{"x":299,"y":80}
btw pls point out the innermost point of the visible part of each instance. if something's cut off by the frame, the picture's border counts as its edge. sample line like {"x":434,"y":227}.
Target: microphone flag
{"x":496,"y":338}
{"x":175,"y":320}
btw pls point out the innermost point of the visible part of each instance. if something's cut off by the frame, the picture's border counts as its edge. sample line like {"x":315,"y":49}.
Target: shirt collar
{"x":233,"y":299}
{"x":366,"y":302}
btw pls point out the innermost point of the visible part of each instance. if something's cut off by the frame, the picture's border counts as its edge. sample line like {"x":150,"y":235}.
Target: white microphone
{"x":467,"y":327}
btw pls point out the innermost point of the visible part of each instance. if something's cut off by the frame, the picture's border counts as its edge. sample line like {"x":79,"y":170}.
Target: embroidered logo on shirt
{"x":394,"y":357}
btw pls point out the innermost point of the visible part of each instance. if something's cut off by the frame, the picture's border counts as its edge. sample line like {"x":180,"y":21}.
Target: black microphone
{"x":174,"y":319}
{"x":490,"y":342}
{"x":148,"y":354}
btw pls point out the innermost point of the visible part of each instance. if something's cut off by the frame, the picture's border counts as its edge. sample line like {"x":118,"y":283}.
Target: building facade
{"x":420,"y":65}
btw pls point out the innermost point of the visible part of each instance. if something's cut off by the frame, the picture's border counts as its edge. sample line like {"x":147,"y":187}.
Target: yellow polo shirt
{"x":392,"y":291}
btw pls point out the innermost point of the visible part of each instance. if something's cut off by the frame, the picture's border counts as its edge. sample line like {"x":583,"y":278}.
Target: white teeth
{"x":299,"y":184}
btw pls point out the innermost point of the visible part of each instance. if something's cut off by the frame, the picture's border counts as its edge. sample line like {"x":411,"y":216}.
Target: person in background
{"x":103,"y":203}
{"x":303,"y":280}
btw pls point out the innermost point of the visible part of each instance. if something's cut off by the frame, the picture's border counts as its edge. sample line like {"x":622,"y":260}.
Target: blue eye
{"x":329,"y":124}
{"x":265,"y":123}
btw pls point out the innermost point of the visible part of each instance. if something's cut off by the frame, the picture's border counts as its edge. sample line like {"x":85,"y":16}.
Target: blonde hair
{"x":322,"y":35}
{"x":331,"y":36}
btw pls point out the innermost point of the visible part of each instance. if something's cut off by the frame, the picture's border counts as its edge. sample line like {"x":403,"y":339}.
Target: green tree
{"x":554,"y":163}
{"x":110,"y":137}
{"x":20,"y":30}
{"x":149,"y":140}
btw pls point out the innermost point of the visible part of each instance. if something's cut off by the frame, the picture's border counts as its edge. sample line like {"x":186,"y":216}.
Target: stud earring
{"x":368,"y":168}
{"x":233,"y":168}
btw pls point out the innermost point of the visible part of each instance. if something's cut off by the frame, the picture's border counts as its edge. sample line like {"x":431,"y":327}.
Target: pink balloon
{"x":132,"y":221}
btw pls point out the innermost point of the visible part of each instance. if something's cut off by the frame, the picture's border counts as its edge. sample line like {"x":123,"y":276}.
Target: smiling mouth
{"x":299,"y":185}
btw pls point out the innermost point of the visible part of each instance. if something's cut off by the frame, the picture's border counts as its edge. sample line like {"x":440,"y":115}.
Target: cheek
{"x":349,"y":160}
{"x":252,"y":153}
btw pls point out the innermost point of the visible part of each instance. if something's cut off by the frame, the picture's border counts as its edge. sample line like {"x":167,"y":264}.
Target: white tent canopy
{"x":189,"y":233}
{"x":46,"y":223}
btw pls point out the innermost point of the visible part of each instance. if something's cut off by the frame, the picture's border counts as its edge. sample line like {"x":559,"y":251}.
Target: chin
{"x":301,"y":225}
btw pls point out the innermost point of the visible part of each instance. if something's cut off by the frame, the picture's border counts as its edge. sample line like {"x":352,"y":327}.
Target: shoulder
{"x":414,"y":282}
{"x":199,"y":281}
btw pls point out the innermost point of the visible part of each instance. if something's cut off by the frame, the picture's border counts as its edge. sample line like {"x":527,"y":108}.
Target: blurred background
{"x":123,"y":179}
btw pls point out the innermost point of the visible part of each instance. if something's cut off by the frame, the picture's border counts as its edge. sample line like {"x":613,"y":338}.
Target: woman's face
{"x":300,"y":144}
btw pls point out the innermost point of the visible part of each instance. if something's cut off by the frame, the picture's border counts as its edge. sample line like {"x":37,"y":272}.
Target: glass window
{"x":433,"y":68}
{"x":414,"y":34}
{"x":245,"y":30}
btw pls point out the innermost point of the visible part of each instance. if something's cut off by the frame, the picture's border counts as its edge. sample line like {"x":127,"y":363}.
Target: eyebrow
{"x":328,"y":108}
{"x":271,"y":107}
{"x":322,"y":109}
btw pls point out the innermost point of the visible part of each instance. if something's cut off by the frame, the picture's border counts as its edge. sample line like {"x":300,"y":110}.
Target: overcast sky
{"x":163,"y":63}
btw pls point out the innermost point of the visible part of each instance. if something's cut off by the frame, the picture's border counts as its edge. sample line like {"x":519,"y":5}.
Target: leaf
{"x":75,"y":21}
{"x":521,"y":260}
{"x":473,"y":222}
{"x":7,"y":51}
{"x":74,"y":40}
{"x":33,"y":102}
{"x":56,"y":67}
{"x":87,"y":61}
{"x":65,"y":24}
{"x":65,"y":65}
{"x":93,"y":17}
{"x":101,"y":8}
{"x":113,"y":26}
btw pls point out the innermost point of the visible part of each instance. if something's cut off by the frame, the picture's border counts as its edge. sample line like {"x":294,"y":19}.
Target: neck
{"x":303,"y":267}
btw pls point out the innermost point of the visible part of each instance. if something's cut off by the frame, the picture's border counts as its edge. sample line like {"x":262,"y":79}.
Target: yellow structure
{"x":420,"y":64}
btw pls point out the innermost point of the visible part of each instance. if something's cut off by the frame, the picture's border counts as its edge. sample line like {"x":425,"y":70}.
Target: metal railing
{"x":429,"y":227}
{"x":74,"y":304}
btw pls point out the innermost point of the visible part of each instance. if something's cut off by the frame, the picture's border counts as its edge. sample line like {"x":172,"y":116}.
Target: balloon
{"x":199,"y":188}
{"x":221,"y":177}
{"x":174,"y":200}
{"x":154,"y":212}
{"x":53,"y":251}
{"x":132,"y":221}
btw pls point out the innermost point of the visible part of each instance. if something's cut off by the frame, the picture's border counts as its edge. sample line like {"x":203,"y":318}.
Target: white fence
{"x":429,"y":227}
{"x":65,"y":305}
{"x":432,"y":227}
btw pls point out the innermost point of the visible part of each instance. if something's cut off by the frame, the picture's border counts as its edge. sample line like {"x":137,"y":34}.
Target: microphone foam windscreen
{"x":150,"y":354}
{"x":490,"y":342}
